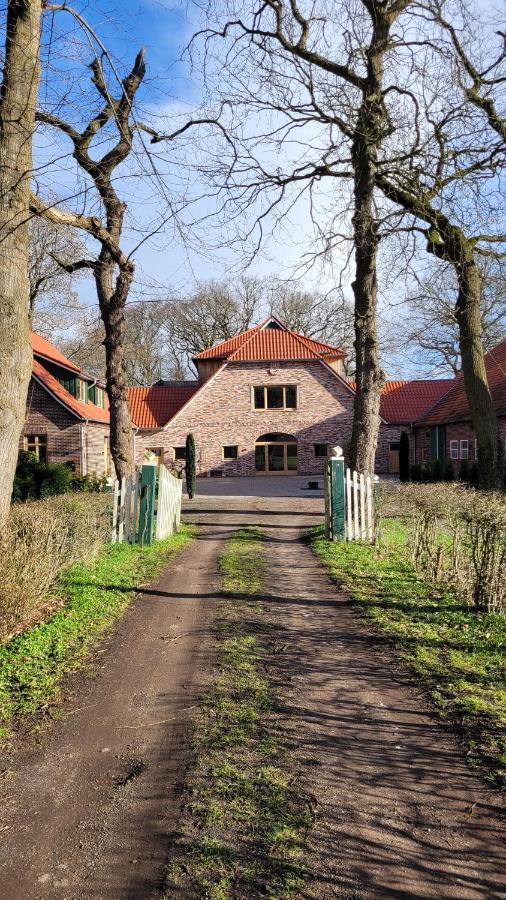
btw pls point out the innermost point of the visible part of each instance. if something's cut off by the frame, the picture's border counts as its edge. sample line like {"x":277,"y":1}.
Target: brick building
{"x":445,"y":431}
{"x":269,"y":401}
{"x":67,"y":417}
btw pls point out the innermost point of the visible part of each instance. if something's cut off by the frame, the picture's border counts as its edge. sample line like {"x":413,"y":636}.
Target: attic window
{"x":273,"y":325}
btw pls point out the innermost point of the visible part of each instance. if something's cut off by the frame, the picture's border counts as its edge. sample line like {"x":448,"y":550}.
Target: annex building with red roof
{"x":67,"y":416}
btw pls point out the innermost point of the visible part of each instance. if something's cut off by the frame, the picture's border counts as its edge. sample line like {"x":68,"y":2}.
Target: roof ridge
{"x":259,"y":327}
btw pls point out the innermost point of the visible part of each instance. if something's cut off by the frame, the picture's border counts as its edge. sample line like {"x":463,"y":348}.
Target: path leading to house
{"x":88,"y":814}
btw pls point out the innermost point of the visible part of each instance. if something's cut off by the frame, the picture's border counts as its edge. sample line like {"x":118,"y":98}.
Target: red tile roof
{"x":42,"y":347}
{"x":152,"y":407}
{"x":454,"y":406}
{"x":81,"y":410}
{"x":262,"y":343}
{"x":403,"y":402}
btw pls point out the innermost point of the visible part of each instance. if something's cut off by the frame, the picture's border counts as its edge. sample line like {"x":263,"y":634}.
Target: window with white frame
{"x":454,"y":449}
{"x":464,"y":449}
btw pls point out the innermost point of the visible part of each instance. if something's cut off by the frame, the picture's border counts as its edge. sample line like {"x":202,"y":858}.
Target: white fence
{"x":359,"y":506}
{"x":168,"y":507}
{"x":145,"y":506}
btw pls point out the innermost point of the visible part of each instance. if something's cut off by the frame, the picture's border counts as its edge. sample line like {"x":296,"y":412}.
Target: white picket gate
{"x":125,"y":513}
{"x":359,"y":506}
{"x":168,"y":507}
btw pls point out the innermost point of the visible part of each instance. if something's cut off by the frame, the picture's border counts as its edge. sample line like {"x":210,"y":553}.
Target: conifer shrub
{"x":191,"y":471}
{"x":449,"y":473}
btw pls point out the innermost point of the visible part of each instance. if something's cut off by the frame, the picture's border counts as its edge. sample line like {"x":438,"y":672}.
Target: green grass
{"x":245,"y":825}
{"x":95,"y":594}
{"x":457,"y":652}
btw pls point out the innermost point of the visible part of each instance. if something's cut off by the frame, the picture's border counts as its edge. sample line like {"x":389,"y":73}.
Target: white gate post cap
{"x":336,"y":452}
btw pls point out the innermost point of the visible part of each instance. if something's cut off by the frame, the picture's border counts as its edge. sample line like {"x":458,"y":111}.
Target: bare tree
{"x":215,"y":312}
{"x":447,"y":178}
{"x":50,"y":284}
{"x":18,"y":95}
{"x":113,"y":268}
{"x":432,"y":329}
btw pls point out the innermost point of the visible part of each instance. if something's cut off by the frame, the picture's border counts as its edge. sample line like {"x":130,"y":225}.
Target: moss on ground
{"x":95,"y":594}
{"x":457,"y":651}
{"x":243,"y":832}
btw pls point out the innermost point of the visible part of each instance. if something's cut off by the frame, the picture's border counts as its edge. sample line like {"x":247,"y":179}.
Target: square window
{"x":320,"y":450}
{"x":230,"y":451}
{"x":36,"y":444}
{"x":454,"y":449}
{"x":180,"y":453}
{"x":274,"y":398}
{"x":464,"y":449}
{"x":291,"y":396}
{"x":259,"y":398}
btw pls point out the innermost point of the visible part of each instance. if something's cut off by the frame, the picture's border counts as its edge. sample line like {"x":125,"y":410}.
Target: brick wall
{"x":63,"y":432}
{"x":221,"y":414}
{"x":391,"y":434}
{"x":455,"y":431}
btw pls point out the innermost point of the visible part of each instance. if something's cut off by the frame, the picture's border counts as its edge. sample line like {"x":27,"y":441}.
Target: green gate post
{"x":147,"y":507}
{"x":337,"y":499}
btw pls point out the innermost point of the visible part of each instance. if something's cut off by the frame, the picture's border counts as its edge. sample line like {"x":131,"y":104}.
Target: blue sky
{"x":165,"y":263}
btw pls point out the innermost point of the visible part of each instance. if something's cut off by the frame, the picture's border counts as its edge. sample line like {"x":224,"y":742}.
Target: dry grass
{"x":43,"y":538}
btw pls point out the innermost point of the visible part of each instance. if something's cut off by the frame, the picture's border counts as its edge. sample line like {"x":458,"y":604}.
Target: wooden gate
{"x":146,"y":506}
{"x":350,"y":502}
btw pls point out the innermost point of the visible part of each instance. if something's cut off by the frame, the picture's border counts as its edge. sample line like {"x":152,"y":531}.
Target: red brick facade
{"x":221,"y":414}
{"x":79,"y":443}
{"x":454,"y":431}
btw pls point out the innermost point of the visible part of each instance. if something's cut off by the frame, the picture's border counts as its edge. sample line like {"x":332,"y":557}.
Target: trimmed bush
{"x":458,"y":538}
{"x":89,"y":484}
{"x":35,"y":480}
{"x":449,"y":474}
{"x":464,"y":472}
{"x":437,"y":470}
{"x":41,"y":539}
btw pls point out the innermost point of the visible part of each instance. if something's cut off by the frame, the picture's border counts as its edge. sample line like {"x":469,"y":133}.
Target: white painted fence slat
{"x":121,"y":511}
{"x":349,"y":519}
{"x":369,"y":528}
{"x":168,"y":512}
{"x":356,"y":526}
{"x":362,"y":506}
{"x":115,"y":497}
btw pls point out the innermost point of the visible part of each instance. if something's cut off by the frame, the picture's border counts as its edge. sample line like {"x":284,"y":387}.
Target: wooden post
{"x":338,"y":503}
{"x":328,"y":503}
{"x":147,"y":507}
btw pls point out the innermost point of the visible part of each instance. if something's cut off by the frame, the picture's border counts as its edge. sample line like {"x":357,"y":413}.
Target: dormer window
{"x":81,"y":390}
{"x":99,"y":397}
{"x":274,"y":325}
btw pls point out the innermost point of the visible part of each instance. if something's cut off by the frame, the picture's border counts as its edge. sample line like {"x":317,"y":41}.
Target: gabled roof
{"x":265,"y":342}
{"x":153,"y":407}
{"x":454,"y":406}
{"x":403,"y":402}
{"x":81,"y":410}
{"x":44,"y":348}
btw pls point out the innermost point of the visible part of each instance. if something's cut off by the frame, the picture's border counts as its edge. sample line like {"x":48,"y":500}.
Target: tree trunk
{"x":369,"y":377}
{"x":372,"y":125}
{"x":17,"y":116}
{"x":483,"y":415}
{"x":112,"y":307}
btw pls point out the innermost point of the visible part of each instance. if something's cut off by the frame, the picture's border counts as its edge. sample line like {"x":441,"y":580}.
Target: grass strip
{"x":243,"y":832}
{"x":95,"y":594}
{"x":456,"y":651}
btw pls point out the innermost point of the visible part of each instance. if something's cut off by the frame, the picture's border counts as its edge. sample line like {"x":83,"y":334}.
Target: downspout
{"x":84,"y":447}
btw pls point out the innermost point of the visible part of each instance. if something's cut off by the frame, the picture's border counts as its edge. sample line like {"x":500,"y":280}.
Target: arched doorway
{"x":276,"y":454}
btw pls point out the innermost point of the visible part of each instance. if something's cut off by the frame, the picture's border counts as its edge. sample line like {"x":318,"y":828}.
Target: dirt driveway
{"x":89,"y":809}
